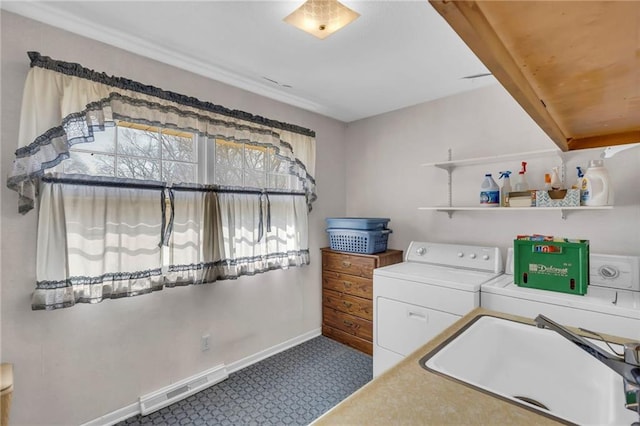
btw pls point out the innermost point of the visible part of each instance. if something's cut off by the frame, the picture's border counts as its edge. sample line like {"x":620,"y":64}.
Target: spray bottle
{"x":506,"y":188}
{"x":522,"y":184}
{"x":578,"y":184}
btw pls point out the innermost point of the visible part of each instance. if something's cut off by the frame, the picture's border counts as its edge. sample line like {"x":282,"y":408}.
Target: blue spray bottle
{"x":579,"y":183}
{"x":506,"y":188}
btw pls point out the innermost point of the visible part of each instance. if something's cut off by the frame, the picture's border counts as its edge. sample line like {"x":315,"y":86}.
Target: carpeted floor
{"x":293,"y":387}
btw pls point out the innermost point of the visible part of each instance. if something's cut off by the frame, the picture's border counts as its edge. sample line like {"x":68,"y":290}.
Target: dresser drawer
{"x":348,"y":339}
{"x":350,"y":284}
{"x":348,"y":323}
{"x":354,"y":305}
{"x":349,"y":264}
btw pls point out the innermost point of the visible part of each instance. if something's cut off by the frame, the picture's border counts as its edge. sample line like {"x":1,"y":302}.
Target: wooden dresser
{"x":347,"y":295}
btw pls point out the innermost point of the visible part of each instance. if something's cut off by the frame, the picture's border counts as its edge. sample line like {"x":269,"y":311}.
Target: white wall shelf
{"x":562,"y":210}
{"x":450,"y":165}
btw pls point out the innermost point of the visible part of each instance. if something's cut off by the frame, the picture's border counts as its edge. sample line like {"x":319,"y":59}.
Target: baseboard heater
{"x":182,"y":389}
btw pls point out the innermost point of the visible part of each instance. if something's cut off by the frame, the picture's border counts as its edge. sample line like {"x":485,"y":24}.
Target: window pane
{"x":284,"y":182}
{"x":228,"y":176}
{"x":173,"y":172}
{"x":254,"y":179}
{"x":138,"y":168}
{"x":178,"y":148}
{"x":102,"y":142}
{"x":229,"y":154}
{"x":89,"y":164}
{"x":254,"y":158}
{"x":276,"y":165}
{"x":139,"y":143}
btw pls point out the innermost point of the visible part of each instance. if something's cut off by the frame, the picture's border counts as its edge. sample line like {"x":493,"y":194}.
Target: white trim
{"x":115,"y":416}
{"x":252,"y":359}
{"x":134,"y":409}
{"x":42,"y":12}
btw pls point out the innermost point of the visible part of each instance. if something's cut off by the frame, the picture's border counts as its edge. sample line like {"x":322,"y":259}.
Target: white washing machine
{"x":611,"y":304}
{"x":416,"y":299}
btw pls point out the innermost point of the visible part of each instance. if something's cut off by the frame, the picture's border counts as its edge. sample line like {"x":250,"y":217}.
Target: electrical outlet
{"x":204,"y":342}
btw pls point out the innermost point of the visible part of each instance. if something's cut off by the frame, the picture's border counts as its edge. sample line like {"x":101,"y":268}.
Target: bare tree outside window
{"x":130,"y":152}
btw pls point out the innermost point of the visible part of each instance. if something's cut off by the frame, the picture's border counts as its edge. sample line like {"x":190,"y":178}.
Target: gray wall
{"x":74,"y":365}
{"x":385,"y":177}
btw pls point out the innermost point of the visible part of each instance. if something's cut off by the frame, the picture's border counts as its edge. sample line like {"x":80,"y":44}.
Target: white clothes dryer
{"x":417,"y":299}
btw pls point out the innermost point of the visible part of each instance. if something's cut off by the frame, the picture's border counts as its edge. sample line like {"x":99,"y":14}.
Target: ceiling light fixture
{"x":321,"y":18}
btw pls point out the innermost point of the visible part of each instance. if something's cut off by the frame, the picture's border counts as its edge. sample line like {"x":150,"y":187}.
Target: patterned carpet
{"x":293,"y":387}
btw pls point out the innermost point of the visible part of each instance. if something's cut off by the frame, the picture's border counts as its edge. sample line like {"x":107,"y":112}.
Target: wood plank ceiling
{"x":574,"y":66}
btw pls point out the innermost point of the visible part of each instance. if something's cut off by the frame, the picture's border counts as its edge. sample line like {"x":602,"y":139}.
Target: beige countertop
{"x":407,"y":394}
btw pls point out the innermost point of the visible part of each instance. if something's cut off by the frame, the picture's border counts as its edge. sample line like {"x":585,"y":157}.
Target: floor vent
{"x":182,"y":389}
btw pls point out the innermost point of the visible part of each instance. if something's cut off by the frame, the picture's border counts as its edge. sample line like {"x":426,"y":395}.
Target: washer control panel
{"x":619,"y":272}
{"x":456,"y":255}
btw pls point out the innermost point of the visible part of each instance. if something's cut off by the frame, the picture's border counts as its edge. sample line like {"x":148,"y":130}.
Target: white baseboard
{"x":252,"y":359}
{"x":134,"y":408}
{"x":116,"y":416}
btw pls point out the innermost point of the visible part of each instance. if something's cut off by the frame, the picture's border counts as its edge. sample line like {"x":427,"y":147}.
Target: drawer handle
{"x":417,"y":316}
{"x":346,"y":264}
{"x":347,"y":323}
{"x":347,"y":304}
{"x":347,"y":284}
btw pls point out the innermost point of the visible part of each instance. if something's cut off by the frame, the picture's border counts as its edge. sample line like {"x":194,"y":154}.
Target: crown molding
{"x":49,"y":15}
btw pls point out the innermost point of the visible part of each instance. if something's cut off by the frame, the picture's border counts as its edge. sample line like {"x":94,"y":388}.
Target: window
{"x":250,"y":165}
{"x":136,"y":151}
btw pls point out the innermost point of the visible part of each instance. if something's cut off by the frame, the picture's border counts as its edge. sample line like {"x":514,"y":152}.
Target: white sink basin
{"x":521,"y":363}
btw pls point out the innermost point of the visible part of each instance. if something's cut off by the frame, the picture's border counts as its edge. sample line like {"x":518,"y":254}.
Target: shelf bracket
{"x":450,"y":184}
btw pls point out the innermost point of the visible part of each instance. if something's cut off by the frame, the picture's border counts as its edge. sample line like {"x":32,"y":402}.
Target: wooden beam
{"x":605,"y":140}
{"x":468,"y":20}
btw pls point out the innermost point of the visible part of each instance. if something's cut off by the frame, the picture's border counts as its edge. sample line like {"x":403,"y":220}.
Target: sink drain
{"x":532,"y":402}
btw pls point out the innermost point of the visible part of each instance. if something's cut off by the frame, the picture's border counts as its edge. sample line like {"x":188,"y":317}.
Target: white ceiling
{"x":397,"y":54}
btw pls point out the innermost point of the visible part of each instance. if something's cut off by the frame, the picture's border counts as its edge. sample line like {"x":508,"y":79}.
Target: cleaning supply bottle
{"x":506,"y":188}
{"x":578,"y":183}
{"x":556,"y":183}
{"x":522,"y":184}
{"x":489,"y":192}
{"x":595,"y":185}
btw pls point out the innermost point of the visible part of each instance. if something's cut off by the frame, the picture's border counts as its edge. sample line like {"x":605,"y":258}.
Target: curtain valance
{"x":65,"y":103}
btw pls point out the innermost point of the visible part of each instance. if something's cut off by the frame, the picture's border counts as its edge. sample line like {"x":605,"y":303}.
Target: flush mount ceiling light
{"x":321,"y":18}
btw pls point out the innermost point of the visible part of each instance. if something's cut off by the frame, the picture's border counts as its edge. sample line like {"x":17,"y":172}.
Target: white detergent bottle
{"x":506,"y":188}
{"x":489,"y":192}
{"x":596,"y":189}
{"x":522,"y":184}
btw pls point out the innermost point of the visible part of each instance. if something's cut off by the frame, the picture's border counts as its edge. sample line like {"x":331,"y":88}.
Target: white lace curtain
{"x":107,"y":237}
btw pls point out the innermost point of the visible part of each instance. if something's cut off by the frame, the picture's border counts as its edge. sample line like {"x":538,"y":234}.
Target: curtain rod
{"x":131,"y":183}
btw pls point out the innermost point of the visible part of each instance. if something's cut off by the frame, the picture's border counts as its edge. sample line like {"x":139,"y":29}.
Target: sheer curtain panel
{"x":95,"y":243}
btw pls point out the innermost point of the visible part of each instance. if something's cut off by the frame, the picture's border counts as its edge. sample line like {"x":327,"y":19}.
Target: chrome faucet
{"x":628,"y":367}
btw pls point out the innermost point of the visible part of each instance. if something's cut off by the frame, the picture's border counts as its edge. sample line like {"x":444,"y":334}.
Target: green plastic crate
{"x":550,"y":265}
